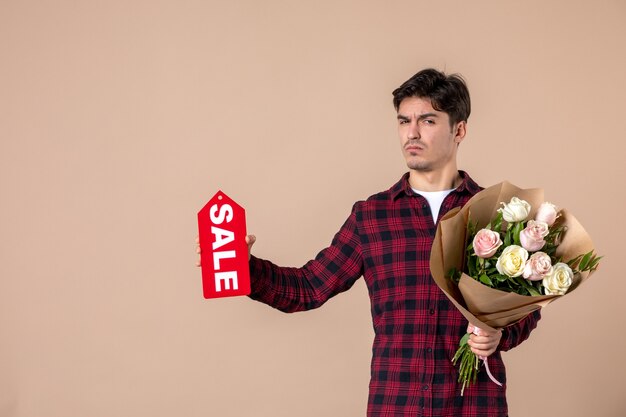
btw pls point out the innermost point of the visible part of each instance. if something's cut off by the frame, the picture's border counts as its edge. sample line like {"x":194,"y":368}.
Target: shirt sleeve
{"x":334,"y":270}
{"x":516,"y":333}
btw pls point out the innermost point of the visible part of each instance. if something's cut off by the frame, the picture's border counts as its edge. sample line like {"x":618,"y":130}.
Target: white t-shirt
{"x":435,"y":199}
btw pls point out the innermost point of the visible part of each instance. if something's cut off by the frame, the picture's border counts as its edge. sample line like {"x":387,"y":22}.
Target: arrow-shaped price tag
{"x":224,"y":252}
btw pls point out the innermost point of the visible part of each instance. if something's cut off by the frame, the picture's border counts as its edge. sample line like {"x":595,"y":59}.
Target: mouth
{"x":413,"y":148}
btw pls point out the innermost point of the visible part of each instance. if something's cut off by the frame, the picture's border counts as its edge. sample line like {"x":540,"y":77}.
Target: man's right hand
{"x":250,"y":239}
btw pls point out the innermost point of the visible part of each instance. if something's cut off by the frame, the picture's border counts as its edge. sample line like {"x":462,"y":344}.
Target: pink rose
{"x":486,"y":243}
{"x":538,"y":266}
{"x":531,"y":238}
{"x":546,"y":213}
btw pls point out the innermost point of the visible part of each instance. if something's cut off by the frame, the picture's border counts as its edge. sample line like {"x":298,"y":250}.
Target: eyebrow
{"x":420,"y":117}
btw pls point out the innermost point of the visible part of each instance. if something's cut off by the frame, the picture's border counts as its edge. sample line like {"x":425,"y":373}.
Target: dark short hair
{"x":447,"y":93}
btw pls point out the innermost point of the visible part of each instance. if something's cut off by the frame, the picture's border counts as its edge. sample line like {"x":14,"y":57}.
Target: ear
{"x":459,"y":130}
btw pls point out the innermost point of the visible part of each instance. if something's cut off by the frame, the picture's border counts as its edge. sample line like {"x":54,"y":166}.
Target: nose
{"x":414,"y":132}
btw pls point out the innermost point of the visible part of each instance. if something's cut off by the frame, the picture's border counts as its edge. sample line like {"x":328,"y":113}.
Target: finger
{"x":483,"y":353}
{"x":481,"y":343}
{"x":483,"y":350}
{"x":198,"y":249}
{"x":485,"y":344}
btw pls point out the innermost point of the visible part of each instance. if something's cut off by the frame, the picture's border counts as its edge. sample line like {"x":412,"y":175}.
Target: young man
{"x":387,"y":240}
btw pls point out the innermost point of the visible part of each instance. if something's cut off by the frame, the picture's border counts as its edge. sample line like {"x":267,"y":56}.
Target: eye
{"x":403,"y":121}
{"x":429,"y":122}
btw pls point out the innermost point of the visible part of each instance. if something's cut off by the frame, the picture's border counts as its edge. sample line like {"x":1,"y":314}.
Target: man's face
{"x":428,"y":142}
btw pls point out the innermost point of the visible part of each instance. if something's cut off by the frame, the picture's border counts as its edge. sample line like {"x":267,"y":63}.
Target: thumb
{"x":250,"y":239}
{"x":472,"y":329}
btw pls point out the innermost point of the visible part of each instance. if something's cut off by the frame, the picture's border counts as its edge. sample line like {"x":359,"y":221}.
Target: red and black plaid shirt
{"x":387,"y":240}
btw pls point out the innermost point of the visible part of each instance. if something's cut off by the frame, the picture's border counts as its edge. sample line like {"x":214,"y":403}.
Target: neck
{"x":434,"y":181}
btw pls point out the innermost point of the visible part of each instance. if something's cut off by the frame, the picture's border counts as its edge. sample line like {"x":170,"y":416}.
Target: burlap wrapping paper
{"x":482,"y":306}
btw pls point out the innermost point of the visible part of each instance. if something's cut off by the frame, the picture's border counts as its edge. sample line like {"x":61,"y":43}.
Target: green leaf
{"x":485,"y":280}
{"x":517,"y":229}
{"x":507,"y":239}
{"x":584,"y":261}
{"x":500,"y":277}
{"x":549,"y":249}
{"x":471,"y":266}
{"x":533,"y":291}
{"x":497,"y":222}
{"x":554,"y":235}
{"x":595,"y":262}
{"x":455,"y":275}
{"x":539,"y":287}
{"x":573,"y":263}
{"x":471,"y":227}
{"x":527,"y":288}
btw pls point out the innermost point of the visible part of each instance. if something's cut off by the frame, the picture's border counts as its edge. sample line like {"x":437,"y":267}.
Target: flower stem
{"x":468,"y":367}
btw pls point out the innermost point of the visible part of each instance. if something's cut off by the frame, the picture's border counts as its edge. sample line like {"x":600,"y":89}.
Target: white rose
{"x":516,"y":211}
{"x":512,"y":261}
{"x":559,"y":280}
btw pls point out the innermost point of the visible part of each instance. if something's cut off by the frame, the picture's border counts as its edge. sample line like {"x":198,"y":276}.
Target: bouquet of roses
{"x":503,"y":255}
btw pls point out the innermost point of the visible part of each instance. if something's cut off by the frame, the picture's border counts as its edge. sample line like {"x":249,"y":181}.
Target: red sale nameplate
{"x":224,"y":252}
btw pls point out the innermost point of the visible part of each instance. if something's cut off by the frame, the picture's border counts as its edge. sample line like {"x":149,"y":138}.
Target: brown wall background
{"x":120,"y":119}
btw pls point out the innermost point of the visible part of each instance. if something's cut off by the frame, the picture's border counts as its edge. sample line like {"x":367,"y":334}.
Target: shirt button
{"x":431,"y":311}
{"x":429,"y":350}
{"x":425,"y":387}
